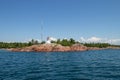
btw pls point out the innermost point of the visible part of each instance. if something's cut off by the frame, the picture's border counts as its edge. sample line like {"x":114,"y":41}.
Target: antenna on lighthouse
{"x":41,"y":31}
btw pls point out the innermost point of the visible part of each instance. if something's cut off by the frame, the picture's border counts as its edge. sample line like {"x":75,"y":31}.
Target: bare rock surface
{"x":53,"y":48}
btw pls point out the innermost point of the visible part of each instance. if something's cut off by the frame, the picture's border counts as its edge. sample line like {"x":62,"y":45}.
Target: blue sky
{"x":20,"y":20}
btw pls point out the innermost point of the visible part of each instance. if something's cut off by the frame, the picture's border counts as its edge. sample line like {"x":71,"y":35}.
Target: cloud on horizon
{"x":100,"y":40}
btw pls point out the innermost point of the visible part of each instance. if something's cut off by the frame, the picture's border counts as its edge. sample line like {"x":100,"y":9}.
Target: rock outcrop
{"x":78,"y":47}
{"x":50,"y":48}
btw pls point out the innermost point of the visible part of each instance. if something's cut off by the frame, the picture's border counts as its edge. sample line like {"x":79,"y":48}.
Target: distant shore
{"x":57,"y":48}
{"x":61,"y":45}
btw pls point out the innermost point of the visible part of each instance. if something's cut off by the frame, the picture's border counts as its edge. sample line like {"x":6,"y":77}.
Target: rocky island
{"x":55,"y":46}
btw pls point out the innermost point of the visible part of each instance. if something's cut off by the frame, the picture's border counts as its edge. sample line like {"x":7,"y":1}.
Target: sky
{"x":84,"y":20}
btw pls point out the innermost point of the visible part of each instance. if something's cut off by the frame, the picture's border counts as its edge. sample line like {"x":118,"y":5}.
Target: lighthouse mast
{"x":41,"y":31}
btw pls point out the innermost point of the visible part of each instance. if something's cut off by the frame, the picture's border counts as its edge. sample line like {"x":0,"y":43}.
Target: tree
{"x":100,"y":45}
{"x":43,"y":42}
{"x":58,"y":41}
{"x":36,"y":42}
{"x":72,"y":41}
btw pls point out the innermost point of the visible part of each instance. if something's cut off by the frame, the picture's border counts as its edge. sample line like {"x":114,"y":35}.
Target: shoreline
{"x":57,"y":48}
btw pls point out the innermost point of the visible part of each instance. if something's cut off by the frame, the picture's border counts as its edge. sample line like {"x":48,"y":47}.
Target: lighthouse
{"x":50,"y":39}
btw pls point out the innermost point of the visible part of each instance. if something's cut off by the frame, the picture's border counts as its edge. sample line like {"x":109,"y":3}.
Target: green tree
{"x":43,"y":42}
{"x":72,"y":41}
{"x":58,"y":41}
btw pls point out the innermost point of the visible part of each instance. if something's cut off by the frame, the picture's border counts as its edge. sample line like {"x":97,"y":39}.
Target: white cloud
{"x":92,"y":39}
{"x":114,"y":41}
{"x":82,"y":39}
{"x":101,"y":40}
{"x":53,"y":39}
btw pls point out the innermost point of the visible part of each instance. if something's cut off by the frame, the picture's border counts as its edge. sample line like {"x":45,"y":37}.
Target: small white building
{"x":50,"y":39}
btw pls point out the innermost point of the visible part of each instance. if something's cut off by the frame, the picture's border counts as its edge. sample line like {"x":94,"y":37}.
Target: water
{"x":87,"y":65}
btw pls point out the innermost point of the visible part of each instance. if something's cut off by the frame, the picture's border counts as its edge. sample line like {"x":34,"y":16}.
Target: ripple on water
{"x":87,"y":65}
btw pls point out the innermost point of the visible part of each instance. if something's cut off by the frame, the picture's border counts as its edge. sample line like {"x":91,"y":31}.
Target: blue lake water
{"x":86,"y":65}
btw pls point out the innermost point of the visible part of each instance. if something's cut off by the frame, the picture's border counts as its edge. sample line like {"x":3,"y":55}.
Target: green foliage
{"x":13,"y":45}
{"x":66,"y":42}
{"x":32,"y":42}
{"x":17,"y":44}
{"x":43,"y":42}
{"x":100,"y":45}
{"x":58,"y":41}
{"x":53,"y":41}
{"x":72,"y":41}
{"x":115,"y":45}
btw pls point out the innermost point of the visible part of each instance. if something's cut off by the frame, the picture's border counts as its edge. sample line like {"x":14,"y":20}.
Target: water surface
{"x":86,"y":65}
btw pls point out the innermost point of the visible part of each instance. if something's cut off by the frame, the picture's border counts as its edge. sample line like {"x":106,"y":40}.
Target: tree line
{"x":63,"y":42}
{"x":71,"y":41}
{"x":18,"y":44}
{"x":13,"y":45}
{"x":99,"y":45}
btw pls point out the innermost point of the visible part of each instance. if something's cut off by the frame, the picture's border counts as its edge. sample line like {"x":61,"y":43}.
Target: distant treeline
{"x":13,"y":45}
{"x":71,"y":41}
{"x":115,"y":45}
{"x":100,"y":45}
{"x":63,"y":42}
{"x":17,"y":44}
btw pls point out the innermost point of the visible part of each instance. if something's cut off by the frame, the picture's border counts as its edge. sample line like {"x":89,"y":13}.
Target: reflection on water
{"x":87,"y":65}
